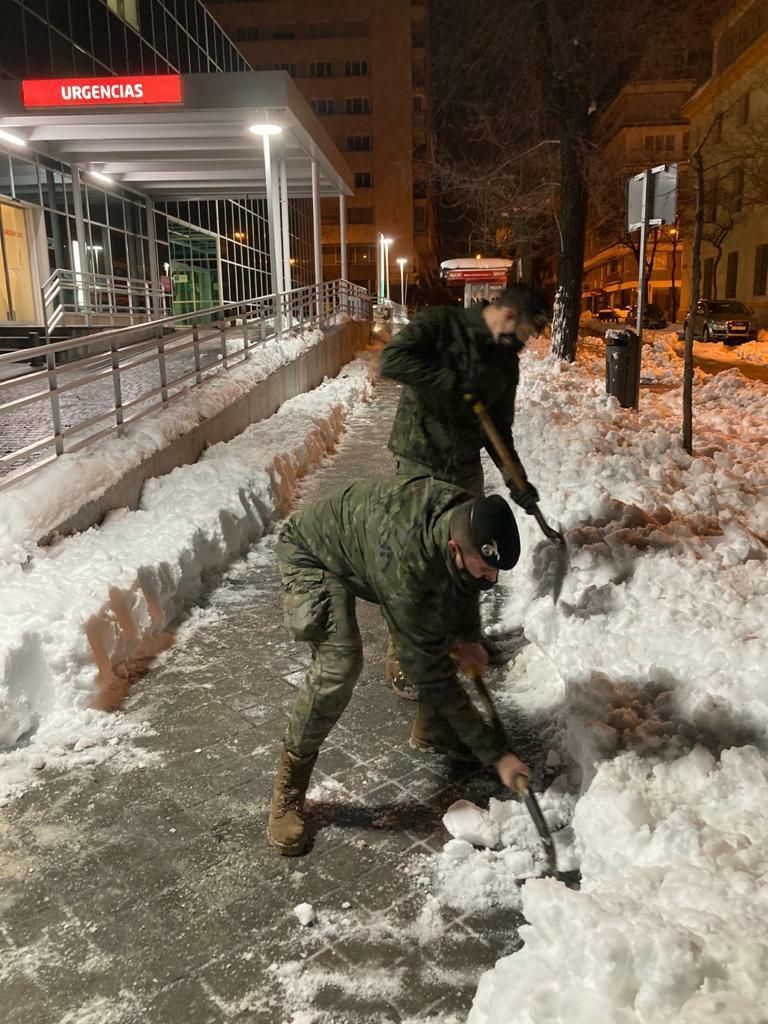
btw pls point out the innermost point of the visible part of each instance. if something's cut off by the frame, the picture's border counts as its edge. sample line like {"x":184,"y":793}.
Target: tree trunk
{"x":697,"y":166}
{"x":573,"y":226}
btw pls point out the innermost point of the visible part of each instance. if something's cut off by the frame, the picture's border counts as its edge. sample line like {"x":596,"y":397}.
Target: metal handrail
{"x":95,"y":295}
{"x":146,"y":372}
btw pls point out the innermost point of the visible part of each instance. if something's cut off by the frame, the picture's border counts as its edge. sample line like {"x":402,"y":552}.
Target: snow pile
{"x":659,"y":642}
{"x":95,"y":600}
{"x":676,"y":928}
{"x":748,"y":352}
{"x":32,"y":508}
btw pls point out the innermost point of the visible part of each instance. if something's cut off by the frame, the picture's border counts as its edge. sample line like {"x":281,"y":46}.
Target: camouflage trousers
{"x":320,"y":611}
{"x":472,"y":484}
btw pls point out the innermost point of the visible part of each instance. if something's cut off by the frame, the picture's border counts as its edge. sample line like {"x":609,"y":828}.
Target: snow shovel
{"x":523,"y":789}
{"x":558,"y":564}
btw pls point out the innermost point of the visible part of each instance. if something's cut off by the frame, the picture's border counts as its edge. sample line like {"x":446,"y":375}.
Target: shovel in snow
{"x":525,"y":792}
{"x":554,"y":574}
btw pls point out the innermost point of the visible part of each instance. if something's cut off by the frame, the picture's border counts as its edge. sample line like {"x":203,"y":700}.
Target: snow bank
{"x":33,"y":508}
{"x":100,"y":598}
{"x":659,"y":643}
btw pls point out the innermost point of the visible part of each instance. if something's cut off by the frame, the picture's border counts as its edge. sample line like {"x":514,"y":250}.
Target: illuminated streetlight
{"x":265,"y":129}
{"x":384,"y":244}
{"x":401,"y":262}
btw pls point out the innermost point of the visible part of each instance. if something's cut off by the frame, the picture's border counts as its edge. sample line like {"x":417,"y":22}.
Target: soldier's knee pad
{"x":341,"y":664}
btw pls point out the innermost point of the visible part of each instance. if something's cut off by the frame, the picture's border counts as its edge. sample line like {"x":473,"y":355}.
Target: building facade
{"x":643,"y":127}
{"x":208,"y":250}
{"x":729,"y":121}
{"x":363,"y":67}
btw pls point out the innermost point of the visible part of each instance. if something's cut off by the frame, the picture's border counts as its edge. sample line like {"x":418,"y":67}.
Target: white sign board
{"x":662,"y":199}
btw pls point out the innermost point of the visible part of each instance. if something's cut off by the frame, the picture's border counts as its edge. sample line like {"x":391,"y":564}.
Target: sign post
{"x":651,"y":202}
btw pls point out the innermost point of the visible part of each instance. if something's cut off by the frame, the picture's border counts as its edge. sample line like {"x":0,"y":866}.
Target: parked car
{"x":653,"y":318}
{"x":621,"y":312}
{"x":607,"y":313}
{"x":724,"y":320}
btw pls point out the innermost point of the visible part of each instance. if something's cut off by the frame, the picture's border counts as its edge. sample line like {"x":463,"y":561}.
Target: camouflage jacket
{"x":439,"y":356}
{"x":387,"y":542}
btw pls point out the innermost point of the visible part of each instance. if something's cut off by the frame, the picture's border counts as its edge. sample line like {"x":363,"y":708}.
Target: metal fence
{"x":83,"y":389}
{"x":89,"y":298}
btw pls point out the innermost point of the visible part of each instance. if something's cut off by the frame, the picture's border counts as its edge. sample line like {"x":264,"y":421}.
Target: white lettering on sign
{"x":120,"y":91}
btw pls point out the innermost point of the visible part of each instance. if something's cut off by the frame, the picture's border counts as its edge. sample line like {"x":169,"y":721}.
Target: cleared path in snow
{"x":153,"y":896}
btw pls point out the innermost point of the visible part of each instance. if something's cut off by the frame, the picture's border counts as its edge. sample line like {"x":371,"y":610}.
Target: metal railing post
{"x":162,"y":366}
{"x":223,"y":340}
{"x":196,"y":351}
{"x":53,"y":393}
{"x":117,"y":385}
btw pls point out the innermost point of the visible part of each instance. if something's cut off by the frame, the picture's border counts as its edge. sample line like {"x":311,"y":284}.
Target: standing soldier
{"x":439,"y":357}
{"x":421,"y":549}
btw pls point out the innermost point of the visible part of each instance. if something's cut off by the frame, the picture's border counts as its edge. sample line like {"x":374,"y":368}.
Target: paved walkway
{"x":152,"y":895}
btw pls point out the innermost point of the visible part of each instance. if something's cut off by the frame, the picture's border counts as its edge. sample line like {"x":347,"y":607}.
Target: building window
{"x":283,"y":33}
{"x":706,"y":282}
{"x":669,"y":142}
{"x":649,"y":143}
{"x":354,"y":29}
{"x":331,"y":255}
{"x":246,"y":32}
{"x":363,"y":179}
{"x":357,"y":105}
{"x":711,"y":201}
{"x":319,"y":30}
{"x":125,"y":9}
{"x":731,"y":274}
{"x":420,"y":220}
{"x":320,"y":69}
{"x":761,"y":270}
{"x":360,"y":215}
{"x":322,"y":107}
{"x":362,"y":254}
{"x":686,"y":141}
{"x":358,"y":143}
{"x":418,"y":103}
{"x":658,"y":142}
{"x":356,"y":68}
{"x":290,"y":68}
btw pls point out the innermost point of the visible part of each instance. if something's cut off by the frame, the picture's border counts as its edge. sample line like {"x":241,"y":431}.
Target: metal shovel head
{"x":550,"y":565}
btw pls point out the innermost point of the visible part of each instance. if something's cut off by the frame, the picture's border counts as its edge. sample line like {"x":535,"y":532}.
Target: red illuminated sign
{"x":101,"y":92}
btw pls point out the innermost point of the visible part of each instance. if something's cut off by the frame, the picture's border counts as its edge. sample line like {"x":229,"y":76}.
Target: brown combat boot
{"x":434,"y":734}
{"x":286,"y":829}
{"x":395,"y":676}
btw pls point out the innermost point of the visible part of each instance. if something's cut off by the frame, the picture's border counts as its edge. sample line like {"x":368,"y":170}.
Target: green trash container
{"x":622,"y":366}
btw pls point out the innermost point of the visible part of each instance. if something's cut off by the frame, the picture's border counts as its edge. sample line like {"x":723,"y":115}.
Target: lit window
{"x":125,"y":9}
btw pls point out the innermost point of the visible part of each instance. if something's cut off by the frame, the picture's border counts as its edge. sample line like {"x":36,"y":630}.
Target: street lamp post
{"x":401,"y":262}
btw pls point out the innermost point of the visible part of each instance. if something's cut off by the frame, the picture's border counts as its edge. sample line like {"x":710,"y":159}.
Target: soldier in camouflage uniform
{"x":421,"y":549}
{"x":443,"y":354}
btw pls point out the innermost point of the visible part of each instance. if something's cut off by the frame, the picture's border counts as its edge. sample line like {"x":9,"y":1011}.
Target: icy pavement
{"x":151,"y":895}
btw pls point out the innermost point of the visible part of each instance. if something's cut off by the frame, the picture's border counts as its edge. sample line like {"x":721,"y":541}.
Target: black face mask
{"x":473,"y":583}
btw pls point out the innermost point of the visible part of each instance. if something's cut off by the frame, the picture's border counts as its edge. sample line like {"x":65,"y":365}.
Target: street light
{"x":401,"y":262}
{"x":384,"y":244}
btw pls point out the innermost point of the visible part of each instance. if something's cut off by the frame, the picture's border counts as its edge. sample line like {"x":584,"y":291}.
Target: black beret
{"x":494,"y":532}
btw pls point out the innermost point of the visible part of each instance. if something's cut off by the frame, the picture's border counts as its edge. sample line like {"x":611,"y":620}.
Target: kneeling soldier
{"x":421,"y":549}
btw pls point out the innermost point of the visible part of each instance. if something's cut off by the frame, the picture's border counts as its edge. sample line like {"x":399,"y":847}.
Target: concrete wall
{"x":338,"y":347}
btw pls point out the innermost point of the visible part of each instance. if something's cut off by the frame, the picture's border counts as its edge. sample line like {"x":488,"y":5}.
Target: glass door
{"x":17,"y":300}
{"x":194,"y":268}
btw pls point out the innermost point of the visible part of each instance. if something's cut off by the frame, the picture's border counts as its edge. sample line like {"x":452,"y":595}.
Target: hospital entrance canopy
{"x":175,"y":137}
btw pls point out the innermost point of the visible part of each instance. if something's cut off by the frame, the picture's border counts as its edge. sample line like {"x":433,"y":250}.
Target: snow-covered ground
{"x":72,"y":611}
{"x":647,"y":678}
{"x":650,"y":673}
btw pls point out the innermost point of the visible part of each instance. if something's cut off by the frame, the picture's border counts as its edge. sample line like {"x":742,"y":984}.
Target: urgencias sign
{"x":99,"y":92}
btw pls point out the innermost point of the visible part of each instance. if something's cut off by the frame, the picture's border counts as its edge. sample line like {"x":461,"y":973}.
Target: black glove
{"x":527,"y":498}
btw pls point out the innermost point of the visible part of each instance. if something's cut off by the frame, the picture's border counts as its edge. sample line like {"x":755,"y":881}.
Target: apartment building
{"x":729,"y":118}
{"x":363,"y":67}
{"x":643,"y":127}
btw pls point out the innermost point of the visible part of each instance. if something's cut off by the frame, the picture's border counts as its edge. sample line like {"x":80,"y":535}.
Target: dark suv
{"x":653,"y":318}
{"x":724,"y":320}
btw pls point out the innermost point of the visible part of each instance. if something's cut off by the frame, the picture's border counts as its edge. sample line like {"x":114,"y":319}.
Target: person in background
{"x":439,"y":357}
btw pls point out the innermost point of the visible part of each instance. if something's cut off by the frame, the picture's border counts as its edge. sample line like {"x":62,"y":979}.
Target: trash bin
{"x":622,"y":365}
